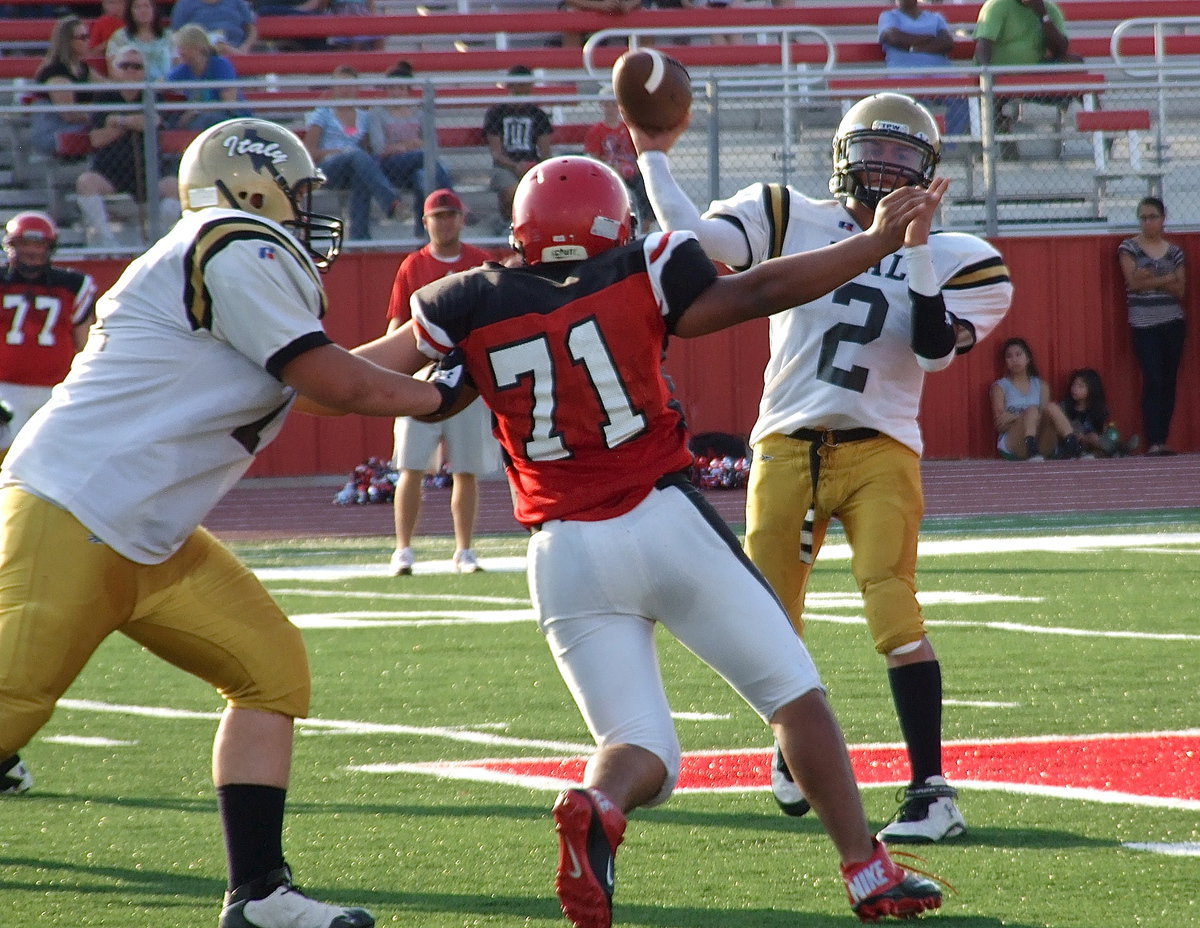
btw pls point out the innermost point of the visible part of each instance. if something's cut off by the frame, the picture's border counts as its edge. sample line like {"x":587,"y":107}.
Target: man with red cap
{"x":469,"y":449}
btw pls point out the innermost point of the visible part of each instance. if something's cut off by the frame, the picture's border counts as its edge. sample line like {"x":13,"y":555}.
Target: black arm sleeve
{"x":932,"y":327}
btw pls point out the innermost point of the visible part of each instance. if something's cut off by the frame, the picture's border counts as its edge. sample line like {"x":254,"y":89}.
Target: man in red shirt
{"x":468,"y":448}
{"x":567,"y":352}
{"x":609,"y":141}
{"x":45,"y":311}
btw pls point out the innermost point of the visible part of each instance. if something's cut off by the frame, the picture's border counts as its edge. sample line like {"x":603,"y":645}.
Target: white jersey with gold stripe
{"x":177,"y":387}
{"x":845,"y":360}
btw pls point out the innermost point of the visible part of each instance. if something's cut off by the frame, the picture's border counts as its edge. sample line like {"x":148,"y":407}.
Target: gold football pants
{"x":873,"y":486}
{"x":62,"y":592}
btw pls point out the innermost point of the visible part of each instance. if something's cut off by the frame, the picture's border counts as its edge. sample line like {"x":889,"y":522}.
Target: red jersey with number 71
{"x":569,"y":359}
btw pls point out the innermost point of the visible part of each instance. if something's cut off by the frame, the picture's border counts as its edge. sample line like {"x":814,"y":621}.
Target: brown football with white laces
{"x":653,"y":90}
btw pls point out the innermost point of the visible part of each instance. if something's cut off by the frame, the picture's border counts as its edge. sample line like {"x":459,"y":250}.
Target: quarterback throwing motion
{"x":837,"y":433}
{"x":567,"y":352}
{"x":198,"y":352}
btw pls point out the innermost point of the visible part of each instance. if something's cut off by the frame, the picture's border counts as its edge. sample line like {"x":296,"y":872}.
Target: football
{"x":467,"y":394}
{"x":653,"y":90}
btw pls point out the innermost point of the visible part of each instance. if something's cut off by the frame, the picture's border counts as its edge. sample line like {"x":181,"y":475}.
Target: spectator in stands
{"x":362,"y":43}
{"x":143,"y":29}
{"x":199,"y":61}
{"x":1021,"y":33}
{"x":118,"y":153}
{"x":1155,"y":284}
{"x":395,"y":136}
{"x":230,"y":24}
{"x":62,"y":71}
{"x":609,"y":141}
{"x":918,"y":39}
{"x":294,"y":8}
{"x":518,"y":135}
{"x":615,"y":8}
{"x":335,"y":136}
{"x":111,"y":18}
{"x":1029,"y":426}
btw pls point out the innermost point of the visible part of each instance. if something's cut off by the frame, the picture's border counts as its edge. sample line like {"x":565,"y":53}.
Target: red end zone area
{"x":1155,"y":768}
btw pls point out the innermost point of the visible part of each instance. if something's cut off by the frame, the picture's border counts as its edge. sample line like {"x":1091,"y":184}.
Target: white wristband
{"x":921,"y":276}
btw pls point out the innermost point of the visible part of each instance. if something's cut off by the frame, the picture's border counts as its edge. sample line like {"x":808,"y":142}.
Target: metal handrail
{"x":785,"y":33}
{"x":1157,"y":25}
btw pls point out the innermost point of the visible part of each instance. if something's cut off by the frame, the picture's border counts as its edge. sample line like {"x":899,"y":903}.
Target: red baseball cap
{"x":442,"y":200}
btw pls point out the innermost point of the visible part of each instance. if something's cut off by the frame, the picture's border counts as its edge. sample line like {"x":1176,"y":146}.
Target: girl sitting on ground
{"x":1087,"y":410}
{"x":1028,"y":424}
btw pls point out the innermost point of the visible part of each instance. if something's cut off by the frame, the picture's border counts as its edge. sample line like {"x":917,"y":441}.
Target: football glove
{"x":450,"y":377}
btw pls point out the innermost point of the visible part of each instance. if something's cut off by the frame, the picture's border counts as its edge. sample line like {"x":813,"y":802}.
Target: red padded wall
{"x":1069,"y":305}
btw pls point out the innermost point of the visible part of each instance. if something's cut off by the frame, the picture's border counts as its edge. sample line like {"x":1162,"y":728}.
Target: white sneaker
{"x":465,"y":563}
{"x":927,"y":814}
{"x":15,"y":778}
{"x":402,"y":561}
{"x":784,"y":788}
{"x":286,"y":907}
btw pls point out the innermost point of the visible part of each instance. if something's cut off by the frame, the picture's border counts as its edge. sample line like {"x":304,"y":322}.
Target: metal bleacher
{"x":765,"y":106}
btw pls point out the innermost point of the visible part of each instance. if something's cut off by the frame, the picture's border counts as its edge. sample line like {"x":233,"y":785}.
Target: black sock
{"x":252,"y":817}
{"x":1031,"y":446}
{"x":917,"y":694}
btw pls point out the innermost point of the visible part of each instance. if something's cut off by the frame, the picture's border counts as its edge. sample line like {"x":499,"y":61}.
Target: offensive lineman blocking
{"x":198,"y":352}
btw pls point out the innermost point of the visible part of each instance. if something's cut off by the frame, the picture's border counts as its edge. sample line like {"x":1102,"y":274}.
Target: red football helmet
{"x":568,"y":209}
{"x":30,"y":227}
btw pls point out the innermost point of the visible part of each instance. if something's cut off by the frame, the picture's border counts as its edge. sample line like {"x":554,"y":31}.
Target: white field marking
{"x":402,"y":597}
{"x":476,"y":771}
{"x":980,"y":704}
{"x":1177,"y":849}
{"x":927,"y":598}
{"x":423,"y":618}
{"x":1068,"y":544}
{"x":701,"y":716}
{"x":391,"y":620}
{"x":1015,"y":627}
{"x":509,"y":564}
{"x":1088,"y":795}
{"x":335,"y":726}
{"x":84,"y":742}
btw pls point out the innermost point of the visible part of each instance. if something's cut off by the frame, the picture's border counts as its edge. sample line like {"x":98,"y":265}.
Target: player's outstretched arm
{"x":782,"y":283}
{"x":331,"y":380}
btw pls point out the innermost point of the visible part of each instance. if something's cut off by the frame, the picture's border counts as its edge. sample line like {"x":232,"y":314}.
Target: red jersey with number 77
{"x":568,"y":356}
{"x":38,"y":318}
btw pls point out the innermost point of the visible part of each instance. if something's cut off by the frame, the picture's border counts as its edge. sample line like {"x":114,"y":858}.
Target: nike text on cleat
{"x":402,"y":561}
{"x":784,"y":788}
{"x":273,"y":902}
{"x":927,"y":814}
{"x":15,"y":777}
{"x":879,"y":887}
{"x":590,"y":829}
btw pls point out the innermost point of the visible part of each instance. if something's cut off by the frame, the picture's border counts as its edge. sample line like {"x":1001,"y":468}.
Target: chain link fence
{"x":1079,"y":147}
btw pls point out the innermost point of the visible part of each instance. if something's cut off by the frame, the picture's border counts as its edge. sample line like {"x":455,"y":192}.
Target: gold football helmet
{"x":884,"y":141}
{"x":264,"y":169}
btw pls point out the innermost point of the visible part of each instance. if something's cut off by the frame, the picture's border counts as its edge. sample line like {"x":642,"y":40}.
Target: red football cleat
{"x":590,"y":829}
{"x":879,"y":887}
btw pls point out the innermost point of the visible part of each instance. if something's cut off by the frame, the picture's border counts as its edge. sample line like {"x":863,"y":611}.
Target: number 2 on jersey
{"x":854,"y":378}
{"x":586,"y":347}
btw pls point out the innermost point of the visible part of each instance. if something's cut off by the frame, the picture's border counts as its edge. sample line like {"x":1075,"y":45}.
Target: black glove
{"x":453,"y":382}
{"x":6,"y":413}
